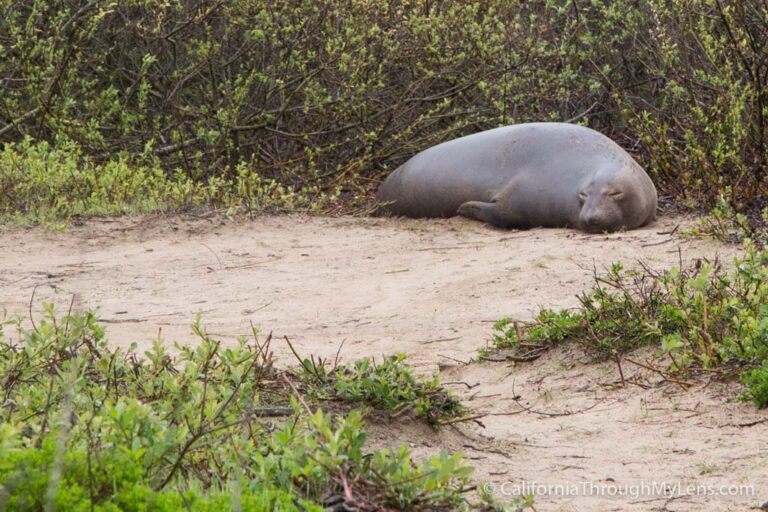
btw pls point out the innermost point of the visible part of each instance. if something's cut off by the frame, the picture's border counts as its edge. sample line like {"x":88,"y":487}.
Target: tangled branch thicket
{"x":248,"y":103}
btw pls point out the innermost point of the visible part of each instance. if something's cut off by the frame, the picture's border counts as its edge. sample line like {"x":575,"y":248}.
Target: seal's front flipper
{"x":479,"y":210}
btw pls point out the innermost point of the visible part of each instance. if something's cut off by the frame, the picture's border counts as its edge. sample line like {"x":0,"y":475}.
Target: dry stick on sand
{"x":456,"y":382}
{"x":516,"y":399}
{"x":683,"y":384}
{"x":463,"y":363}
{"x":474,"y":418}
{"x":528,"y":357}
{"x":221,"y":263}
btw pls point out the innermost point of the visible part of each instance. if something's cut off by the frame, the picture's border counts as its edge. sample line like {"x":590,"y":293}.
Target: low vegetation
{"x":87,"y":427}
{"x":52,"y":185}
{"x":390,"y":386}
{"x":723,"y":222}
{"x":701,"y":318}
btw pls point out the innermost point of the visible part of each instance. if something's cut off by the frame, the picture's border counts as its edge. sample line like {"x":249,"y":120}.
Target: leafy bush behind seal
{"x":322,"y":97}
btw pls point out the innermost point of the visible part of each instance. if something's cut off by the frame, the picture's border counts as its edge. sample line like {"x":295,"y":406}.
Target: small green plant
{"x":700,"y":317}
{"x":115,"y":482}
{"x":505,"y":333}
{"x":550,"y":326}
{"x":493,"y":504}
{"x":390,"y":386}
{"x":756,"y":381}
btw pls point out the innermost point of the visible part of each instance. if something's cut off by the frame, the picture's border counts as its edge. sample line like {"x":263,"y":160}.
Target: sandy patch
{"x":431,"y":289}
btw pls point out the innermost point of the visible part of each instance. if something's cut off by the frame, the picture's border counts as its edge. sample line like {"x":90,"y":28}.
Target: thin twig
{"x":683,"y":384}
{"x":304,"y":364}
{"x":69,"y":315}
{"x":462,"y":419}
{"x":31,"y":299}
{"x":14,"y":122}
{"x":338,"y":352}
{"x":221,"y":264}
{"x":297,"y":394}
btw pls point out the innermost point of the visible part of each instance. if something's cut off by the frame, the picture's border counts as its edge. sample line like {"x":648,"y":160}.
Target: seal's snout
{"x":596,"y":223}
{"x":600,"y":212}
{"x":592,"y":223}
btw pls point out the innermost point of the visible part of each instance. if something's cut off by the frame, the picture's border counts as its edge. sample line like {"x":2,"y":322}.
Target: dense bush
{"x":87,"y":427}
{"x":701,"y":317}
{"x":115,"y":483}
{"x":324,"y":96}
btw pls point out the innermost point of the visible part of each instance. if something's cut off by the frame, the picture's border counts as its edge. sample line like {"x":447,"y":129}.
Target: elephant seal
{"x":524,"y":176}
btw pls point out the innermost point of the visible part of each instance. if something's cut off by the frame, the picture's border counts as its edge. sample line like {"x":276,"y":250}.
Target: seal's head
{"x":613,"y":200}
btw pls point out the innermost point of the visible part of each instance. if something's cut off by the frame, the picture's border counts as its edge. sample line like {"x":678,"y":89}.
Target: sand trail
{"x":431,"y":289}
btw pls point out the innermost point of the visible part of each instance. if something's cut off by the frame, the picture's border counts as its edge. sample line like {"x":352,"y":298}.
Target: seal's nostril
{"x":593,"y":222}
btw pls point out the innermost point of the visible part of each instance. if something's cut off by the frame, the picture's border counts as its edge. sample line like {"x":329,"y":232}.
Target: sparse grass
{"x":701,"y":318}
{"x":706,"y":468}
{"x":84,"y":426}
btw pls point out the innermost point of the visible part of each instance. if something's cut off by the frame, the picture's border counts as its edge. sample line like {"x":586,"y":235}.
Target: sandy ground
{"x":431,"y":289}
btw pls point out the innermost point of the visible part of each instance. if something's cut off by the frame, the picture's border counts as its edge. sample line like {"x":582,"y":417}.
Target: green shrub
{"x":320,"y":98}
{"x":115,"y":482}
{"x":45,"y":184}
{"x":699,"y":317}
{"x":92,"y":427}
{"x":725,"y":223}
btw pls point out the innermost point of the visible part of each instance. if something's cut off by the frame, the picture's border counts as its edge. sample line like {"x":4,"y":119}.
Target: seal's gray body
{"x":524,"y":176}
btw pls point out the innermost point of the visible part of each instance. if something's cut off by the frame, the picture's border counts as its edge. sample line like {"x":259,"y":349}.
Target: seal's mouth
{"x":601,"y":220}
{"x":600,"y":228}
{"x":593,"y":228}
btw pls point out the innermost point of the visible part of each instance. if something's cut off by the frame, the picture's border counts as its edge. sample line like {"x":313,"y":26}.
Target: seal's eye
{"x":582,"y":196}
{"x":616,"y":195}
